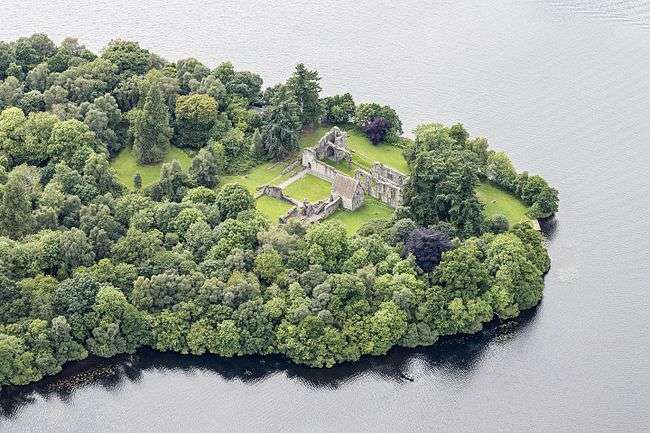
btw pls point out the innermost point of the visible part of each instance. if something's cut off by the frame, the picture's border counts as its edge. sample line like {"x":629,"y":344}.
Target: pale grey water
{"x":563,"y":86}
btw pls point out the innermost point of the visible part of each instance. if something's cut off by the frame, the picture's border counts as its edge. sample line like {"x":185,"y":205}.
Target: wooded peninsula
{"x":170,"y":205}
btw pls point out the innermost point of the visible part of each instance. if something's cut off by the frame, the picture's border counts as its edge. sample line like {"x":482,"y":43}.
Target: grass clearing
{"x":272,"y":208}
{"x":126,"y":166}
{"x":499,"y":201}
{"x":267,"y":173}
{"x":372,"y":209}
{"x":309,"y":187}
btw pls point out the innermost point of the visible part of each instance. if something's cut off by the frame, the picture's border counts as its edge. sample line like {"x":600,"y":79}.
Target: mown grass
{"x":499,"y":201}
{"x":272,"y":208}
{"x":372,"y":209}
{"x":364,"y":152}
{"x":267,"y":173}
{"x":126,"y":165}
{"x":309,"y":187}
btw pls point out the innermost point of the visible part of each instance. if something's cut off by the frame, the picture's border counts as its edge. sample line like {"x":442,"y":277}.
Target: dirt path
{"x":293,"y":178}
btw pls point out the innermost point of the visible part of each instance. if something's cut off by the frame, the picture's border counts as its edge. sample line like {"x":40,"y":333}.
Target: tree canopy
{"x":185,"y":264}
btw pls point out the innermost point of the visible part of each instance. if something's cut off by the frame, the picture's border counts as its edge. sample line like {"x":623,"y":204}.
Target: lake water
{"x":562,"y":86}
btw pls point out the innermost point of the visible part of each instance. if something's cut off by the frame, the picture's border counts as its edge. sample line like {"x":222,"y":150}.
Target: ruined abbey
{"x":381,"y":182}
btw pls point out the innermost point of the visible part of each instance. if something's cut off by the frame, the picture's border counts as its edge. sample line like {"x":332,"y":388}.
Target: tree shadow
{"x":451,"y":356}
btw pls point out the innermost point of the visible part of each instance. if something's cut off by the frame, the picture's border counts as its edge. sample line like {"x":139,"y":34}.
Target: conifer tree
{"x":151,"y":130}
{"x":304,"y":84}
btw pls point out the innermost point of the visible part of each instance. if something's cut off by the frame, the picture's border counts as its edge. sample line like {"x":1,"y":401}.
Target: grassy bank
{"x":126,"y":165}
{"x":499,"y":201}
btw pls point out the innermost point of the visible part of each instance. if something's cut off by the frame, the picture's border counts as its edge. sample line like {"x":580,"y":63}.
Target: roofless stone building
{"x":381,"y":182}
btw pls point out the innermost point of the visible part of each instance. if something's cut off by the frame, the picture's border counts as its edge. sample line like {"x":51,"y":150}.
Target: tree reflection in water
{"x":455,"y":357}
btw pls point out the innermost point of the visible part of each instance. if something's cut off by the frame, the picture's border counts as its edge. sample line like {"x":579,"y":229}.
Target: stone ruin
{"x":349,"y":190}
{"x":381,"y":182}
{"x":333,"y":146}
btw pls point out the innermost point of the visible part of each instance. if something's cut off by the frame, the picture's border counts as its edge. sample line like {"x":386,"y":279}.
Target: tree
{"x":501,"y":171}
{"x":497,"y":224}
{"x":441,"y":188}
{"x":304,"y":84}
{"x":7,"y":57}
{"x":105,"y":119}
{"x":462,"y":271}
{"x":25,"y":140}
{"x":71,"y":141}
{"x":232,"y":199}
{"x":536,"y":192}
{"x":376,"y":129}
{"x":98,"y":172}
{"x":137,"y":181}
{"x":18,"y":201}
{"x":459,"y":134}
{"x":172,"y":184}
{"x":196,"y":115}
{"x":338,"y":109}
{"x":367,"y":112}
{"x":151,"y":131}
{"x":128,"y":56}
{"x":136,"y":247}
{"x":281,"y":123}
{"x":190,"y":72}
{"x":427,"y":246}
{"x":268,"y":265}
{"x":517,"y":281}
{"x":245,"y":84}
{"x":117,"y":326}
{"x":204,"y":170}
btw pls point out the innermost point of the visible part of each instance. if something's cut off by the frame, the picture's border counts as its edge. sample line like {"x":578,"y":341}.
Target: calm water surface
{"x":562,"y":86}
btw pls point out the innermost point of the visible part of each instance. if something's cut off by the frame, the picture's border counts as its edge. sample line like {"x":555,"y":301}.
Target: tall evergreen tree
{"x":281,"y":125}
{"x":151,"y":131}
{"x":304,"y":84}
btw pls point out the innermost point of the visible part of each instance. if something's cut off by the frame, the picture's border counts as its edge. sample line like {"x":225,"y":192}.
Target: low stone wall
{"x":289,"y":168}
{"x":275,"y":192}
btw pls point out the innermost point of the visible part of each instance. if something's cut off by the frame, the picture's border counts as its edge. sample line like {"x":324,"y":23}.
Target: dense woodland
{"x":89,"y":266}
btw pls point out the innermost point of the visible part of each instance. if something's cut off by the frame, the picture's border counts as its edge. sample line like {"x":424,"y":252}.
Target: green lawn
{"x":272,"y":208}
{"x":309,"y":187}
{"x":126,"y":166}
{"x":371,"y":209}
{"x":498,"y":201}
{"x":263,"y":174}
{"x":365,"y":153}
{"x":342,"y":166}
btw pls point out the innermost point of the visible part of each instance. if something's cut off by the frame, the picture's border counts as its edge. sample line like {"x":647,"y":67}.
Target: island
{"x":148,"y":203}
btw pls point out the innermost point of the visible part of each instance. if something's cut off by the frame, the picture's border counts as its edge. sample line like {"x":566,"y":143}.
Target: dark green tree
{"x":304,"y":84}
{"x":232,"y":199}
{"x":196,"y":115}
{"x":204,"y":170}
{"x":281,"y":124}
{"x":151,"y":130}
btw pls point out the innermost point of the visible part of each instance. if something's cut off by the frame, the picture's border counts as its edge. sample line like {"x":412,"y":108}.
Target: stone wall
{"x":387,"y":174}
{"x":320,"y":169}
{"x":312,"y":212}
{"x":383,"y":183}
{"x":275,"y":192}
